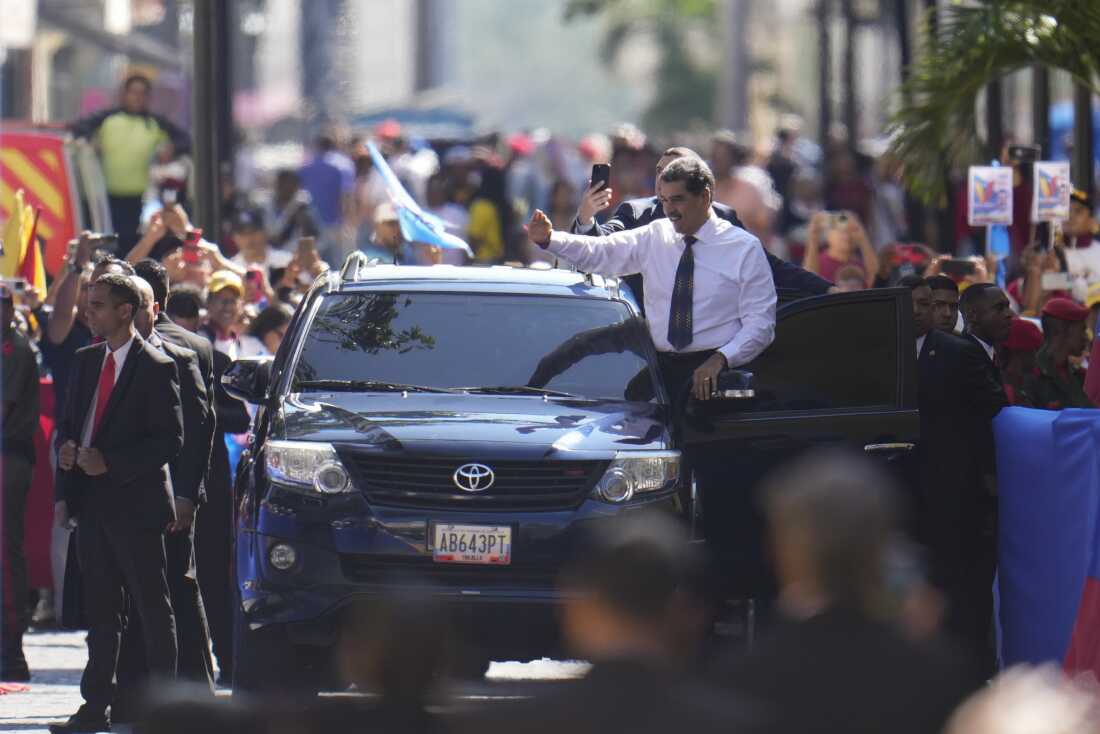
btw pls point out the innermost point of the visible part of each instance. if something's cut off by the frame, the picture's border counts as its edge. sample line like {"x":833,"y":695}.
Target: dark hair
{"x":970,"y":297}
{"x":942,"y":283}
{"x":185,"y":301}
{"x":325,"y":143}
{"x":156,"y":275}
{"x":270,"y":319}
{"x":123,"y":290}
{"x":846,"y":508}
{"x":912,"y":282}
{"x":637,"y":568}
{"x":679,"y":151}
{"x":1052,"y":326}
{"x":138,"y":79}
{"x":287,"y":174}
{"x":104,"y":259}
{"x":692,"y":171}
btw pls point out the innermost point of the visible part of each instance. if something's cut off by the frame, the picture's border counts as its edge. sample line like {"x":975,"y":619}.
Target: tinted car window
{"x":588,"y":348}
{"x":834,"y":356}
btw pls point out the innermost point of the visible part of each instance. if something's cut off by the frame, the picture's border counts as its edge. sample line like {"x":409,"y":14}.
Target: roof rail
{"x":352,"y":264}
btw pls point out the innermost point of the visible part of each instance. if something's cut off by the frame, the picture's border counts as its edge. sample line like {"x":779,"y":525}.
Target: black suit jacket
{"x":841,"y":672}
{"x":621,"y":696}
{"x":141,"y":433}
{"x":172,"y":332}
{"x":640,"y":212}
{"x":960,"y":392}
{"x":189,"y":468}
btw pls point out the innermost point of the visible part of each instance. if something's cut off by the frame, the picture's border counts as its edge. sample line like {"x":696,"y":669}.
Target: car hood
{"x":442,"y":424}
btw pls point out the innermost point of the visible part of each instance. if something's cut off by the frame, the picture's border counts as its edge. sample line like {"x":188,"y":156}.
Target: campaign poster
{"x":989,"y":195}
{"x":1050,"y":199}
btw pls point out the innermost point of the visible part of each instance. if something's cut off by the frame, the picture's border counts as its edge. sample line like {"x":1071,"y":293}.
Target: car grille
{"x":428,"y":482}
{"x":398,"y":570}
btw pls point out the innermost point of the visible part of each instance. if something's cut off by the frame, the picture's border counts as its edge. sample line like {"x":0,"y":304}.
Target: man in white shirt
{"x":709,"y":297}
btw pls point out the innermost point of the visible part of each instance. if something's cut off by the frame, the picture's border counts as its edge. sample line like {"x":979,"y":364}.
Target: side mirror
{"x":736,"y":385}
{"x":248,"y":378}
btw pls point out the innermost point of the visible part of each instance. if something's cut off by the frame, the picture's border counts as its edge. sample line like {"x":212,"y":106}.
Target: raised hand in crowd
{"x":593,"y":201}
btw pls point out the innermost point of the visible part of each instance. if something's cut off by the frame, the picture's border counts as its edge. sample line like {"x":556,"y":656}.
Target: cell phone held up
{"x":958,"y":268}
{"x":601,"y":176}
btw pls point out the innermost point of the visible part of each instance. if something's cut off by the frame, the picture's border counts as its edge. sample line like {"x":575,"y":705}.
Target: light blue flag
{"x":417,"y":225}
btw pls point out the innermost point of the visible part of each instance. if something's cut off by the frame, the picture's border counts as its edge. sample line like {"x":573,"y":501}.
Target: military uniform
{"x":1054,"y":389}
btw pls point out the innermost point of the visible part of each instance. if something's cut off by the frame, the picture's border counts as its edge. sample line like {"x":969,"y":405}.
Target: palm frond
{"x":976,"y":44}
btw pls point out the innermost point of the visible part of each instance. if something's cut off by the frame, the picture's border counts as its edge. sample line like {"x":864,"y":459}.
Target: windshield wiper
{"x":367,"y":386}
{"x":517,"y":390}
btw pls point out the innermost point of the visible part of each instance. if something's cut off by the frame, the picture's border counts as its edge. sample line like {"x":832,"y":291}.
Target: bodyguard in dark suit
{"x":186,"y":472}
{"x":121,"y":427}
{"x":960,"y":391}
{"x":636,"y":213}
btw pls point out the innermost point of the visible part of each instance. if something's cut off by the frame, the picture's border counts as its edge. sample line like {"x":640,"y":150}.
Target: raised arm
{"x":617,"y":254}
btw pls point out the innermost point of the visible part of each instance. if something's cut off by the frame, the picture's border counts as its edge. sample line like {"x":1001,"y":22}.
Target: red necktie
{"x":106,"y":384}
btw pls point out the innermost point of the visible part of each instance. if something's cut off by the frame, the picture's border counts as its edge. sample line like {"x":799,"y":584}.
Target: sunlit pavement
{"x":57,"y":659}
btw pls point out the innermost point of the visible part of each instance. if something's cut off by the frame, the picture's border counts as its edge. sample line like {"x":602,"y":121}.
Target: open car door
{"x":841,"y":372}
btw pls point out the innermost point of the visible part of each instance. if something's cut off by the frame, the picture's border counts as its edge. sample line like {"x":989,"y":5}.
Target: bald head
{"x":146,"y":314}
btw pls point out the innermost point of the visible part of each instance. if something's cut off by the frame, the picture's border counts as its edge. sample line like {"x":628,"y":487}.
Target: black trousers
{"x":213,"y":554}
{"x":969,"y":615}
{"x":192,"y":636}
{"x":126,"y":218}
{"x":17,"y":472}
{"x":116,"y":563}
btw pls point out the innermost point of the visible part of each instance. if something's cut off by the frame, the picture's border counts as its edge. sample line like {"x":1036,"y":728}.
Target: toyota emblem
{"x":474,"y":477}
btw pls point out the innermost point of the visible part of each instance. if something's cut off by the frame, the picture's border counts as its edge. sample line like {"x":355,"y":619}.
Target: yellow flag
{"x":14,"y":238}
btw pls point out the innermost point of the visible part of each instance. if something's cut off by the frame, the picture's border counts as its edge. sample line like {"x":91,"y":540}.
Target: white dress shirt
{"x":920,"y":343}
{"x":120,"y":359}
{"x":733,"y":306}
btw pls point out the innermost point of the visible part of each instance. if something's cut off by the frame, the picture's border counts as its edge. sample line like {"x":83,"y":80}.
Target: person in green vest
{"x":127,"y":137}
{"x":1060,"y":383}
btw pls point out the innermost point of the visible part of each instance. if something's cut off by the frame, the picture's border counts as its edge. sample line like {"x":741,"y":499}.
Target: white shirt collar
{"x":121,"y":352}
{"x":989,"y":350}
{"x":920,"y":343}
{"x":707,"y":231}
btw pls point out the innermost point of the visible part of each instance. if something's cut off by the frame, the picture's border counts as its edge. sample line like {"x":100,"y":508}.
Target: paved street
{"x":57,"y":658}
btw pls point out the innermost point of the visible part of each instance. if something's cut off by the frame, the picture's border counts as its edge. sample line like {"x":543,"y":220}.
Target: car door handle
{"x":891,"y":447}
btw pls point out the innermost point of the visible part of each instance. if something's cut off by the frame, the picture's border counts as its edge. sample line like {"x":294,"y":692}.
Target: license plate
{"x":490,"y":545}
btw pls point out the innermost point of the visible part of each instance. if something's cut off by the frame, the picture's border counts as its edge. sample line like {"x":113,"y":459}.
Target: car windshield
{"x":542,"y":346}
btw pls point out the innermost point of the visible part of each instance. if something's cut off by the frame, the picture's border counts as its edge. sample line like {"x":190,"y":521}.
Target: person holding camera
{"x":836,"y":240}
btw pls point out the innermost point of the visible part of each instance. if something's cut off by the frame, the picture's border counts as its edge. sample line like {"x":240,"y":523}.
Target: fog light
{"x":615,"y":486}
{"x":282,"y":556}
{"x":330,"y":478}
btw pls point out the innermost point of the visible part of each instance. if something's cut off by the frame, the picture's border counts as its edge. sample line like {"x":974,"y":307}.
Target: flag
{"x":12,"y":255}
{"x":32,"y":269}
{"x":1048,"y":469}
{"x":417,"y":225}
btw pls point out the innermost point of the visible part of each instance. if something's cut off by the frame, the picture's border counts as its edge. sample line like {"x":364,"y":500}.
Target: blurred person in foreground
{"x":186,"y":473}
{"x":126,"y":138}
{"x":1016,"y":358}
{"x":836,"y":240}
{"x":837,"y":663}
{"x":640,"y":212}
{"x":1061,"y":383}
{"x":621,"y":598}
{"x":290,"y":214}
{"x":1025,"y":700}
{"x":960,"y":392}
{"x":121,"y":428}
{"x":19,"y":412}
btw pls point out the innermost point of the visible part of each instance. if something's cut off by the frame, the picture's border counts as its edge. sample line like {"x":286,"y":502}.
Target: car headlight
{"x":305,"y":464}
{"x":636,"y":472}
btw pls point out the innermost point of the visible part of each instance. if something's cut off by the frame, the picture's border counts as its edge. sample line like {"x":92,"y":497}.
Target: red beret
{"x":1065,"y":309}
{"x":1024,"y":336}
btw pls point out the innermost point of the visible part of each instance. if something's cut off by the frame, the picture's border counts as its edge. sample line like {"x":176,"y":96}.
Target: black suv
{"x":461,"y":428}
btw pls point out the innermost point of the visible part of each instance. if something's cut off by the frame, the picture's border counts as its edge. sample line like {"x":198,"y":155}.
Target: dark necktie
{"x":106,"y":385}
{"x":679,"y":315}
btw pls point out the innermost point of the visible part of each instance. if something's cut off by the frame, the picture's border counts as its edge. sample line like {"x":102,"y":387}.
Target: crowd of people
{"x":851,"y":650}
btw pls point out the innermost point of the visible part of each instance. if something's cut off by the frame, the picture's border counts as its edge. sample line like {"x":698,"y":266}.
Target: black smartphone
{"x":957,"y":267}
{"x":1024,"y":153}
{"x":601,"y":175}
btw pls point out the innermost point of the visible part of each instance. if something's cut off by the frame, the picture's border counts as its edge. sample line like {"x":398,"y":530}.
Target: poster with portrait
{"x":1050,"y":198}
{"x":989,"y":196}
